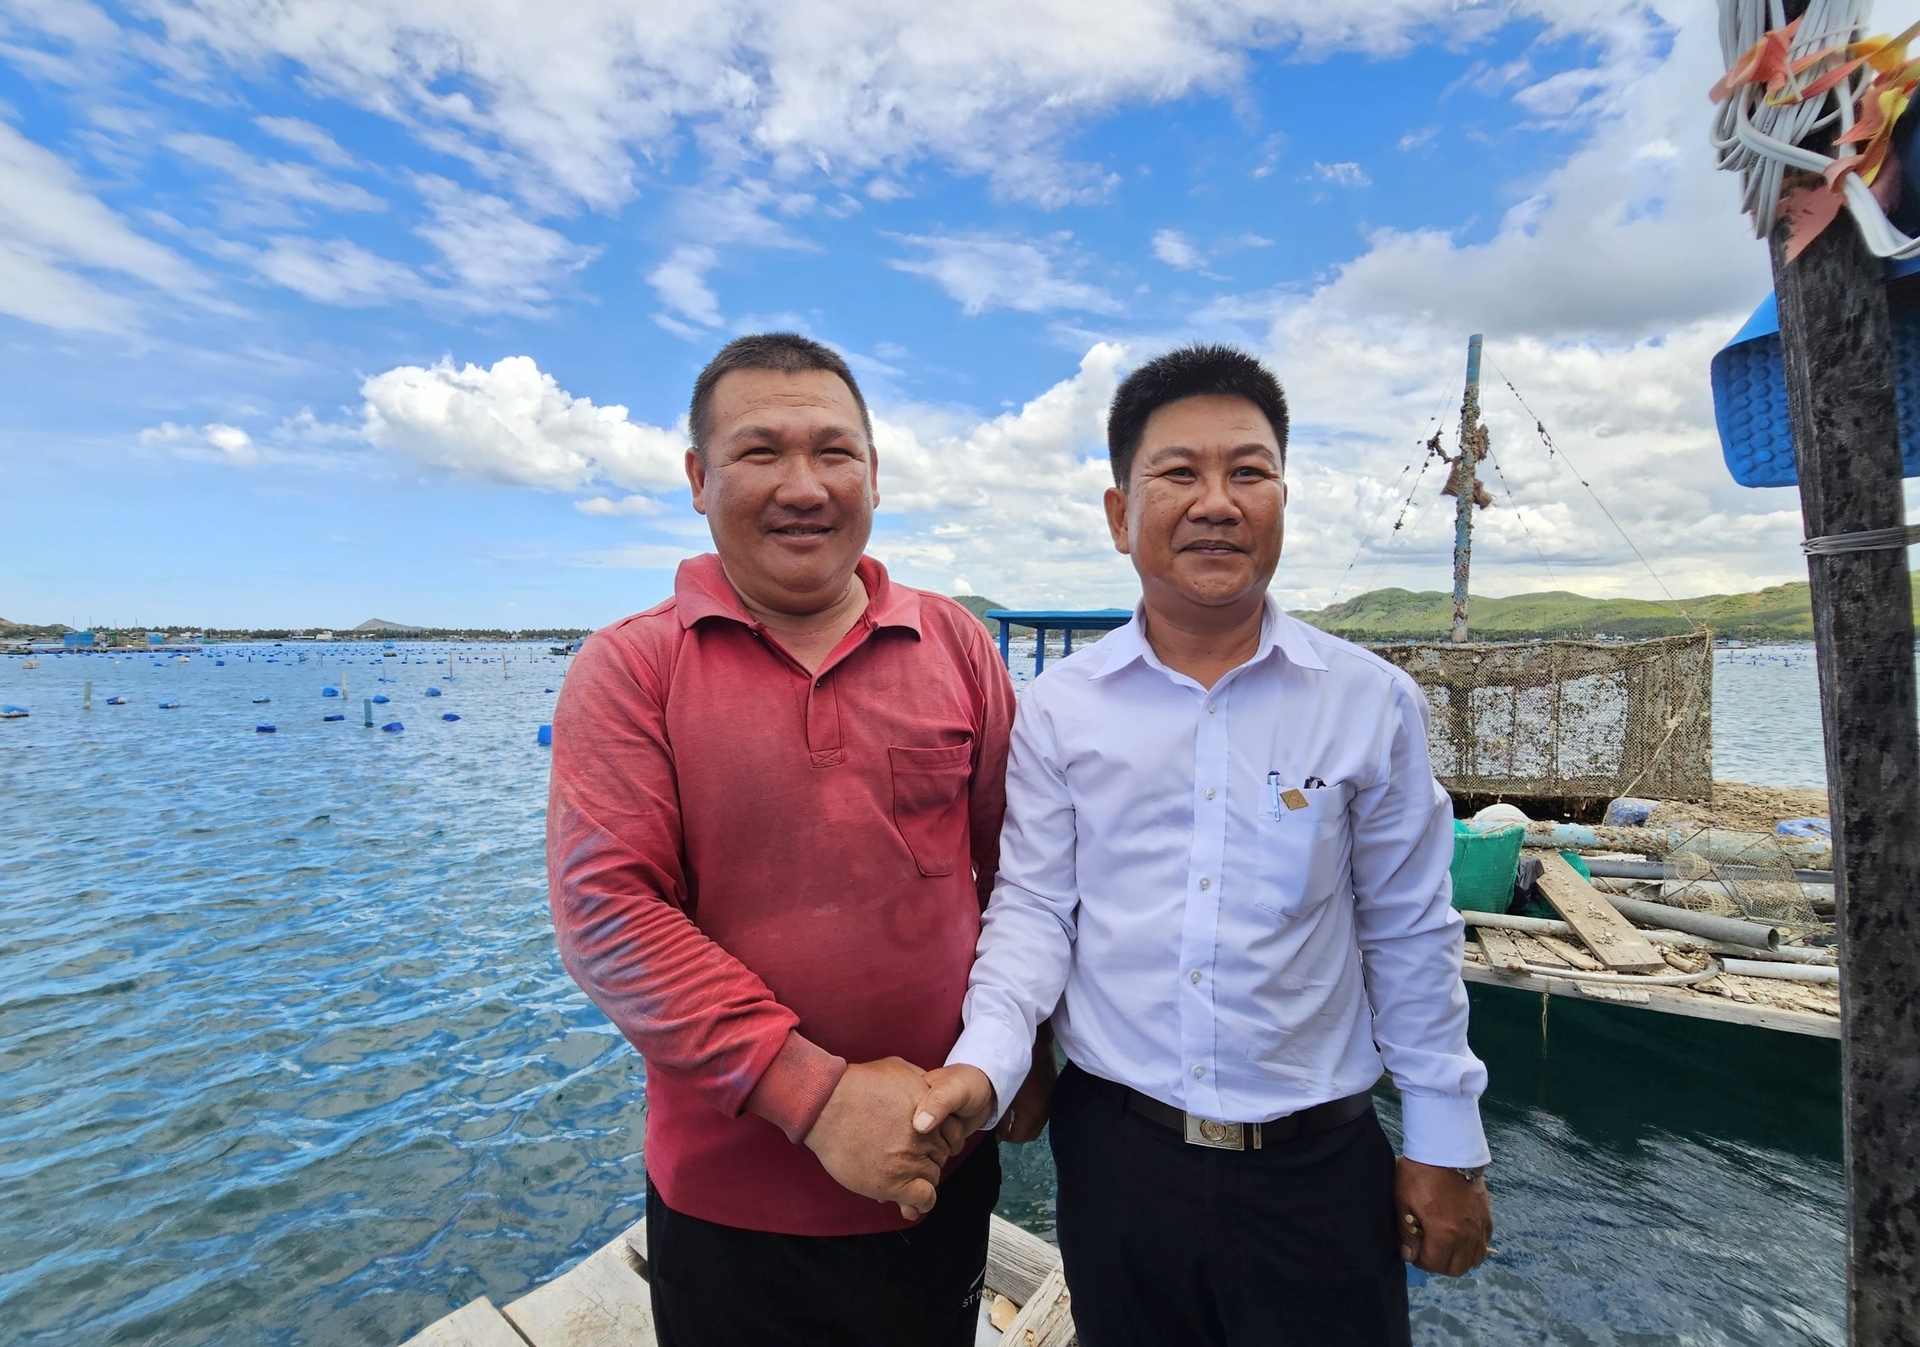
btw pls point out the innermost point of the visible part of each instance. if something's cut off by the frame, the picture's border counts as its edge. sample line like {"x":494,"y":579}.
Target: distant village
{"x":20,"y":637}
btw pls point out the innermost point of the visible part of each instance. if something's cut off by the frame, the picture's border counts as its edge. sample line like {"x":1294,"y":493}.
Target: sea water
{"x":287,"y":1056}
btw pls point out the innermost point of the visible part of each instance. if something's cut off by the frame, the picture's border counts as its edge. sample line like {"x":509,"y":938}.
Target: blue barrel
{"x":335,"y":716}
{"x":393,"y":727}
{"x":169,"y":706}
{"x":545,"y":737}
{"x":449,"y":716}
{"x":329,"y":691}
{"x":265,"y":729}
{"x":433,"y":692}
{"x":381,"y":699}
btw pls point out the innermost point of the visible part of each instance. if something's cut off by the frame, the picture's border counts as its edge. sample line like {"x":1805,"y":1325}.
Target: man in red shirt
{"x":773,"y":823}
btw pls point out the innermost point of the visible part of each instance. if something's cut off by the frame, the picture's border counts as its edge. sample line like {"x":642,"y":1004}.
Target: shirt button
{"x":1199,"y":1071}
{"x":1206,"y":883}
{"x":1212,"y":707}
{"x":1194,"y":976}
{"x":1210,"y":792}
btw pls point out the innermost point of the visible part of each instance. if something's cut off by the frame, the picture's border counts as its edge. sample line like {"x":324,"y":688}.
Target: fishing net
{"x":1756,"y":882}
{"x":1569,"y":719}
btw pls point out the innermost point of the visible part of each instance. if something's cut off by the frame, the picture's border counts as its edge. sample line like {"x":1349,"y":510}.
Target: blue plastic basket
{"x":1750,"y":393}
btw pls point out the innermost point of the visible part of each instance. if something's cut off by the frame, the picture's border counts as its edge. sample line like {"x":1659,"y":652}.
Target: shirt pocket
{"x":930,"y":803}
{"x":1303,"y":854}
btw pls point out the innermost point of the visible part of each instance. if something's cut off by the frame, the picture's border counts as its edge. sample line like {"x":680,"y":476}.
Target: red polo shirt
{"x":762,"y":874}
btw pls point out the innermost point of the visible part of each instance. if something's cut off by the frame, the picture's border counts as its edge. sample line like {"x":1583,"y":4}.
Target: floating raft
{"x":604,"y":1300}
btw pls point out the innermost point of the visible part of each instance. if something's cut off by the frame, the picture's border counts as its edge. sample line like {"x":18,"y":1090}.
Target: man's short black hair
{"x":786,"y":352}
{"x":1189,"y":372}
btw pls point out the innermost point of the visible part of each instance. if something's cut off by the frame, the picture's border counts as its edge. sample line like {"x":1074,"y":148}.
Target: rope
{"x":1546,"y":438}
{"x":1787,"y":83}
{"x":1865,"y":540}
{"x":1429,"y":447}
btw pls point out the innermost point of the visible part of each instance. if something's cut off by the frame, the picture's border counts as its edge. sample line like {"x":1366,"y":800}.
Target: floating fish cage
{"x":1573,"y":723}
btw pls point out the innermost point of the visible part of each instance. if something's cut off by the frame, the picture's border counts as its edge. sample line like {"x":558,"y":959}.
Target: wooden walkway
{"x":603,"y":1302}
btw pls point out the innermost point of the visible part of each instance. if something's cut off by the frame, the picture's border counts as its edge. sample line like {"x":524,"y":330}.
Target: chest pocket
{"x":1304,"y":854}
{"x":930,"y":804}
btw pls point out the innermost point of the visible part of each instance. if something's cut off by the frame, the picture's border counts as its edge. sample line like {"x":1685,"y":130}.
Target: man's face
{"x":788,"y":485}
{"x":1205,"y":506}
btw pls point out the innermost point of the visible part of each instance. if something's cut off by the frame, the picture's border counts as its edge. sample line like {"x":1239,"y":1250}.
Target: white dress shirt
{"x":1234,"y":900}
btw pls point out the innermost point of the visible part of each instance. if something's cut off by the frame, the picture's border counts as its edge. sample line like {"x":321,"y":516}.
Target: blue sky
{"x":331,"y":311}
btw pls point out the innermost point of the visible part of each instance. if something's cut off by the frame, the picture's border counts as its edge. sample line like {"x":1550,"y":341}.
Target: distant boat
{"x":13,"y":713}
{"x":116,"y":701}
{"x":261,"y":701}
{"x":570,"y":648}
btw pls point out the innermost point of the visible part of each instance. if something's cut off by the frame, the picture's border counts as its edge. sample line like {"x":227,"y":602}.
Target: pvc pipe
{"x":1786,"y":972}
{"x":1607,"y":867}
{"x":1710,"y":844}
{"x":1728,"y":930}
{"x":1500,"y":921}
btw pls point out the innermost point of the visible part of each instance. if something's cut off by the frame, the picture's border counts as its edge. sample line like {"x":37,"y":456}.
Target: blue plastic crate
{"x":1750,"y":394}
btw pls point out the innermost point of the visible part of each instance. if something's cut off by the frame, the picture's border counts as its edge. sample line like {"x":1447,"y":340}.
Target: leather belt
{"x":1233,"y":1136}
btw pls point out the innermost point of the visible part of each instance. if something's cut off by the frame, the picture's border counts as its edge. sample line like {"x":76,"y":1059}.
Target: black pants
{"x":715,"y":1286}
{"x":1170,"y":1244}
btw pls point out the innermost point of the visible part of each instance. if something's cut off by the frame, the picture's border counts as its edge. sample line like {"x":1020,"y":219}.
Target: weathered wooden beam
{"x":603,"y":1302}
{"x":1045,"y":1319}
{"x":1017,"y":1262}
{"x":1612,"y":938}
{"x":1502,"y":950}
{"x":475,"y":1324}
{"x":1667,"y":1000}
{"x":1837,"y":345}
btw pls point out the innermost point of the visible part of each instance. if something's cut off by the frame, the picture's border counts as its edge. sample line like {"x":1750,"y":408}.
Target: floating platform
{"x":604,"y":1301}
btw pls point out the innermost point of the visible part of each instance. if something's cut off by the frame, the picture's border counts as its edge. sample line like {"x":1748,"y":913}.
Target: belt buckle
{"x":1221,"y":1136}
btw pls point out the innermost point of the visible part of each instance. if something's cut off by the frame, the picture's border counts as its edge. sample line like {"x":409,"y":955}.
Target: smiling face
{"x":788,"y":484}
{"x":1204,"y":510}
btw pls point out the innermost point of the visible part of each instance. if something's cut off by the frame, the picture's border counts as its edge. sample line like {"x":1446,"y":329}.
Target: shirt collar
{"x":1278,"y":630}
{"x":701,"y":590}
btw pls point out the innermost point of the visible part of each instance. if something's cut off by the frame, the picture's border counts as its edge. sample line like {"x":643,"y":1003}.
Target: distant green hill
{"x":1779,"y":613}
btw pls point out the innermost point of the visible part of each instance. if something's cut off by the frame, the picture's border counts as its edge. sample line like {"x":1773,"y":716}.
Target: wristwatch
{"x":1471,"y":1175}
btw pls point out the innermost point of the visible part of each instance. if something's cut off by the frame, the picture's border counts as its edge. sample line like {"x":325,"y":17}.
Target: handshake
{"x":890,"y":1127}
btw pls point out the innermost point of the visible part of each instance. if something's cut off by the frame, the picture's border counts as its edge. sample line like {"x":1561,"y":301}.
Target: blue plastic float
{"x":335,"y":716}
{"x":433,"y":692}
{"x":329,"y":691}
{"x":545,"y":736}
{"x":381,"y":699}
{"x":449,"y":716}
{"x":13,"y":712}
{"x":393,"y":727}
{"x":169,"y":706}
{"x":116,"y":701}
{"x":265,"y":729}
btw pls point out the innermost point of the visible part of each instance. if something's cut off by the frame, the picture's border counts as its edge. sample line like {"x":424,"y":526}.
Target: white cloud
{"x":1176,"y":250}
{"x":273,"y":180}
{"x":1343,"y":174}
{"x":575,"y":100}
{"x":993,"y":271}
{"x":216,"y":442}
{"x":514,"y":424}
{"x":334,"y":271}
{"x":645,"y":506}
{"x":315,"y":140}
{"x":681,"y":283}
{"x":58,"y":242}
{"x":496,"y":258}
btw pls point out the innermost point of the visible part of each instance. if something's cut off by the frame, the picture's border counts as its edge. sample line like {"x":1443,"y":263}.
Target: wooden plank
{"x":1613,"y":939}
{"x":636,"y":1241}
{"x":1017,"y":1262}
{"x":1502,"y":950}
{"x":601,"y":1303}
{"x":1568,"y":955}
{"x":475,"y":1324}
{"x":1045,"y":1320}
{"x":1672,"y":1001}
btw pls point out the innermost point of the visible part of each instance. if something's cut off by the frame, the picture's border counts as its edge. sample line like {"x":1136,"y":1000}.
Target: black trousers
{"x":1167,"y":1244}
{"x":716,"y":1286}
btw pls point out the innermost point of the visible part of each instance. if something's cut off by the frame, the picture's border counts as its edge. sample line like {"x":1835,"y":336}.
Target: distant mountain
{"x":978,"y":606}
{"x":381,"y":624}
{"x":1778,"y":613}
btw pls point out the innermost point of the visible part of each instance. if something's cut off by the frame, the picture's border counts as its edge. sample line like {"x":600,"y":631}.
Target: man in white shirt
{"x":1223,"y":874}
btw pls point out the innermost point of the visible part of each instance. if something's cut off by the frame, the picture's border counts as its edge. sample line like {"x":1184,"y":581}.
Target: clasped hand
{"x":890,"y":1127}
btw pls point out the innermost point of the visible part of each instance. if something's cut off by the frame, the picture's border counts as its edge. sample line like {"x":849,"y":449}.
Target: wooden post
{"x":1837,"y":346}
{"x":1465,"y":478}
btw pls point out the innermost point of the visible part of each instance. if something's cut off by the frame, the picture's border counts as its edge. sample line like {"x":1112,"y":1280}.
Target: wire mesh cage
{"x":1569,"y":719}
